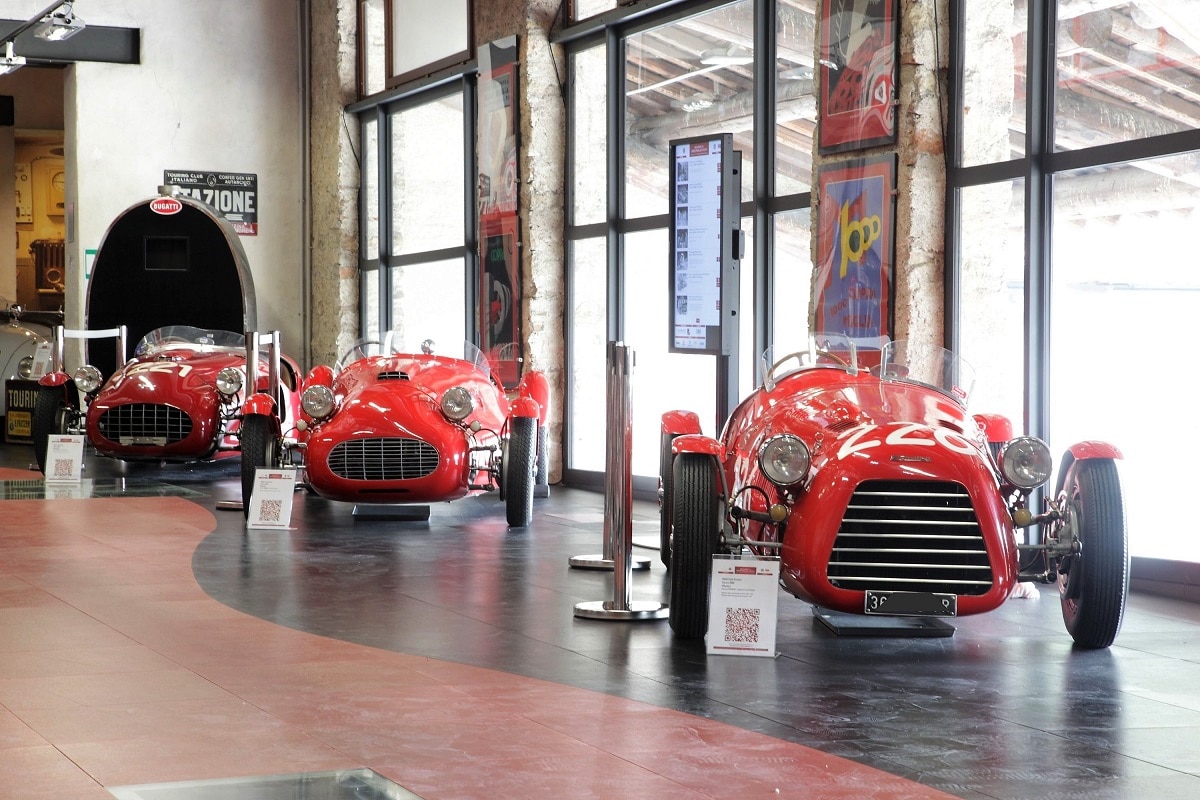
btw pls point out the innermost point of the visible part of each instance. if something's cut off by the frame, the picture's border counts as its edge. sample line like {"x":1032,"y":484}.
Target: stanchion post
{"x":618,"y":497}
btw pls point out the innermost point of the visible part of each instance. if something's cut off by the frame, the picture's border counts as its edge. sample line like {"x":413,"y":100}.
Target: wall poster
{"x":858,"y":58}
{"x":499,"y":301}
{"x":855,"y":269}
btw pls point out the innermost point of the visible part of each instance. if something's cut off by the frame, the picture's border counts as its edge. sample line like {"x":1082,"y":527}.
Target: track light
{"x":59,"y":25}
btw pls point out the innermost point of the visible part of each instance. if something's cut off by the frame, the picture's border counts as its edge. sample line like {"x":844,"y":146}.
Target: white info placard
{"x":64,"y":458}
{"x":743,"y":598}
{"x":271,"y":501}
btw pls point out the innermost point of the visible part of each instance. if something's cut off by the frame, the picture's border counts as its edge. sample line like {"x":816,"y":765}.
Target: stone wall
{"x":334,"y":179}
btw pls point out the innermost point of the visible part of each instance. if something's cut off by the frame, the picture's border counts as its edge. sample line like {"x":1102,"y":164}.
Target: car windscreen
{"x":927,"y":365}
{"x":187,"y":337}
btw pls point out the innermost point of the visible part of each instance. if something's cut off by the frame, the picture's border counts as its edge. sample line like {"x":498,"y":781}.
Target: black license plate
{"x":910,"y":604}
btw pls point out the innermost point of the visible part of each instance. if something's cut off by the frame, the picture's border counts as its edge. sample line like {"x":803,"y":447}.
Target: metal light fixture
{"x":9,"y":62}
{"x":59,"y":24}
{"x":731,"y":56}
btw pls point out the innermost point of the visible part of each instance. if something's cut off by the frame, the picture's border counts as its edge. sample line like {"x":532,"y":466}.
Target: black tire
{"x":542,"y":476}
{"x":1094,"y":585}
{"x":665,"y":499}
{"x":261,"y":447}
{"x":51,"y":414}
{"x":518,"y":468}
{"x":696,"y":508}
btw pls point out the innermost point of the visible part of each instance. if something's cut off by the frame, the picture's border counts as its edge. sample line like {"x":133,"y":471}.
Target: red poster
{"x":858,"y":74}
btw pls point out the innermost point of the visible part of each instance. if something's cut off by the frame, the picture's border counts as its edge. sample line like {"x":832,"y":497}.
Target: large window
{"x":1078,"y":150}
{"x":690,"y":69}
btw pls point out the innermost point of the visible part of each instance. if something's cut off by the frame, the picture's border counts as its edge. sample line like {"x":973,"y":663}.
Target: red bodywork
{"x":878,"y":438}
{"x":165,"y":406}
{"x":389,"y":442}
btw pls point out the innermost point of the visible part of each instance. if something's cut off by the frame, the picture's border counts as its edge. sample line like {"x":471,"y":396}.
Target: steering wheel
{"x":361,"y":349}
{"x":799,"y":356}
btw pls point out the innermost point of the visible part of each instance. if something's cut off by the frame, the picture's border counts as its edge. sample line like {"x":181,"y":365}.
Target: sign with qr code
{"x":271,"y":500}
{"x":743,"y":600}
{"x":64,"y":459}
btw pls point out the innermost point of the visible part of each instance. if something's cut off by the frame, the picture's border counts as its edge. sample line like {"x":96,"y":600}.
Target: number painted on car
{"x":909,"y":435}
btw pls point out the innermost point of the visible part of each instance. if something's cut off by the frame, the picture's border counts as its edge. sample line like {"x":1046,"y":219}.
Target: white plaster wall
{"x":218,"y":88}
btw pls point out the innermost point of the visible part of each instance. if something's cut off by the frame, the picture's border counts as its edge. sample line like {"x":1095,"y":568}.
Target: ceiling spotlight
{"x":59,"y":25}
{"x":695,"y":102}
{"x":9,"y":62}
{"x":731,"y":56}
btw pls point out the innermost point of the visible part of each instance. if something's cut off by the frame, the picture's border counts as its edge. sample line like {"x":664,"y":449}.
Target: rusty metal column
{"x":618,"y":498}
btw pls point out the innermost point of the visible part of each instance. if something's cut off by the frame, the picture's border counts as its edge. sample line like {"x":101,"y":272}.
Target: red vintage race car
{"x":180,"y":397}
{"x":881,"y":494}
{"x":386,"y":425}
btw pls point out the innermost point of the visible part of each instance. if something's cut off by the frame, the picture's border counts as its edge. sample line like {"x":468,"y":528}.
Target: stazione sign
{"x":233,"y":194}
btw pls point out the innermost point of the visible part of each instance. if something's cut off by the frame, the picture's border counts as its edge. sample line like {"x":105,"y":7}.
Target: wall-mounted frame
{"x":858,"y":59}
{"x":424,"y":36}
{"x":705,"y":231}
{"x":855,"y":242}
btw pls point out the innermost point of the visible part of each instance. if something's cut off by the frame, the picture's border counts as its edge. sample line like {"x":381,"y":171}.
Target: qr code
{"x":62,"y":467}
{"x":271,"y":510}
{"x":741,"y":624}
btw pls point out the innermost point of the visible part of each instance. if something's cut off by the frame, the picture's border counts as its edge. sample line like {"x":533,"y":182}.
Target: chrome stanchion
{"x":618,"y":500}
{"x":618,"y":447}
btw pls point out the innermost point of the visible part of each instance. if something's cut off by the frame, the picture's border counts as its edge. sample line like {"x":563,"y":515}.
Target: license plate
{"x":910,"y":604}
{"x":144,"y":441}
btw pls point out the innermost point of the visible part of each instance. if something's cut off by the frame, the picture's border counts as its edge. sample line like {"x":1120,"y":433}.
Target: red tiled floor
{"x":118,"y":670}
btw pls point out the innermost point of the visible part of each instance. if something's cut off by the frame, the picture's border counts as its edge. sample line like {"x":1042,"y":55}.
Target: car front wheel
{"x":261,"y":447}
{"x":696,"y":509}
{"x":51,"y":417}
{"x":665,"y":499}
{"x":1094,"y":584}
{"x":520,"y":462}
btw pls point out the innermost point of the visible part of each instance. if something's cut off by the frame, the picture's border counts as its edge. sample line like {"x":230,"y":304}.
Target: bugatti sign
{"x":166,"y":206}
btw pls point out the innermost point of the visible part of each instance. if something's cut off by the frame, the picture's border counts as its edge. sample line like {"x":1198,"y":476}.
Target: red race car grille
{"x":391,"y":459}
{"x":144,"y":423}
{"x":912,"y":536}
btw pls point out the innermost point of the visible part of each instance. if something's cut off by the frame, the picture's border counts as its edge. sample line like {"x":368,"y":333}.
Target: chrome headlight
{"x":784,"y":459}
{"x":318,"y":401}
{"x":25,"y":367}
{"x":229,"y":381}
{"x":456,"y":403}
{"x":88,"y":379}
{"x":1026,"y":462}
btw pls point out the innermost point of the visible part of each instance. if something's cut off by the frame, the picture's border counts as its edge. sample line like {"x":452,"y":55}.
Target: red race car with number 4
{"x":882,"y":495}
{"x":390,"y":426}
{"x":180,"y":398}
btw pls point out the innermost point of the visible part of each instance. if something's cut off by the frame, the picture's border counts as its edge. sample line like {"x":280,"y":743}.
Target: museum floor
{"x":146,"y":638}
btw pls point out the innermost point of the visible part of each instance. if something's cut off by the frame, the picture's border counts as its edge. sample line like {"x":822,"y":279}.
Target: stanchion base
{"x":609,"y":609}
{"x":229,"y":505}
{"x":541,"y":490}
{"x":598,"y":561}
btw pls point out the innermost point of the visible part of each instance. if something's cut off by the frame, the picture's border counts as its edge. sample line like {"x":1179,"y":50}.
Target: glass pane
{"x":661,"y":381}
{"x":428,"y":159}
{"x":795,"y":101}
{"x":370,"y":179}
{"x":1125,"y":71}
{"x":691,"y":78}
{"x":589,"y":343}
{"x":372,"y":41}
{"x":792,"y":280}
{"x":993,"y":83}
{"x":1124,"y":300}
{"x":991,"y":301}
{"x":747,"y":358}
{"x":582,"y":9}
{"x":429,"y":302}
{"x":368,"y":284}
{"x":589,"y":136}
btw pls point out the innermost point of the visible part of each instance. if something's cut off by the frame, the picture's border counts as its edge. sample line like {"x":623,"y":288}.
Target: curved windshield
{"x":835,"y":350}
{"x":927,"y":365}
{"x":186,"y":337}
{"x":394,"y":344}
